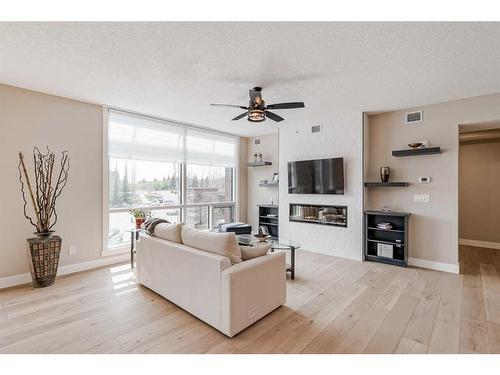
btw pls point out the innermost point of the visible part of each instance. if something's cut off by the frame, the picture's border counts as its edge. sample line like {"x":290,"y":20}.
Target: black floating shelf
{"x":259,"y":164}
{"x":417,"y":151}
{"x":269,"y":184}
{"x":387,"y":184}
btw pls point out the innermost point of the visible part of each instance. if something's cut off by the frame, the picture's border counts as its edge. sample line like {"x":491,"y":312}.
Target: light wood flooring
{"x":333,"y":306}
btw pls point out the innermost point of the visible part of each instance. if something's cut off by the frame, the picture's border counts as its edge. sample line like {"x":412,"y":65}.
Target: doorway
{"x":479,"y":198}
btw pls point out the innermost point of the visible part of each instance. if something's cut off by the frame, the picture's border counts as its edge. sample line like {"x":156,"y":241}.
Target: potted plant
{"x":139,"y":215}
{"x":43,"y":250}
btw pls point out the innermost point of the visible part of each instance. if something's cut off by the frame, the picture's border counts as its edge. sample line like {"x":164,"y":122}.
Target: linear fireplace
{"x":319,"y":214}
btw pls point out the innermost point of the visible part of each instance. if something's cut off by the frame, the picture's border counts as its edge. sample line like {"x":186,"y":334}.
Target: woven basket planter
{"x":43,"y":254}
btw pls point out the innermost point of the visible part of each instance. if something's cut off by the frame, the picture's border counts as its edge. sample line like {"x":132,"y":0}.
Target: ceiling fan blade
{"x":286,"y":105}
{"x":240,"y":116}
{"x":229,"y":105}
{"x":274,"y":116}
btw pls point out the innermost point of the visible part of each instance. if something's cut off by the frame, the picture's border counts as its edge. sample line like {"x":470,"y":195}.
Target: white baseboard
{"x":476,"y":243}
{"x":422,"y":263}
{"x":25,"y":278}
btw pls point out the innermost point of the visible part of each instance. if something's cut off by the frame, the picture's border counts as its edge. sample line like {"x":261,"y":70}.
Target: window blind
{"x":208,"y":148}
{"x":142,"y":138}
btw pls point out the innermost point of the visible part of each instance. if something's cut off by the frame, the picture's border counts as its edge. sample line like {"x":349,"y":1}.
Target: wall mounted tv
{"x":321,"y":176}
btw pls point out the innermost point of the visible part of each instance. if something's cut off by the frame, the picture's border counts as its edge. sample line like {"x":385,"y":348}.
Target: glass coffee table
{"x":276,"y":244}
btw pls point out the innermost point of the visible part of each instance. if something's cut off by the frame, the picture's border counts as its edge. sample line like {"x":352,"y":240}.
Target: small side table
{"x":134,"y":237}
{"x":276,"y":244}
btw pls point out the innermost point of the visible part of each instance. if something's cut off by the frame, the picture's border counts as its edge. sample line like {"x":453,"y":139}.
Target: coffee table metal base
{"x":290,"y":267}
{"x":276,"y":244}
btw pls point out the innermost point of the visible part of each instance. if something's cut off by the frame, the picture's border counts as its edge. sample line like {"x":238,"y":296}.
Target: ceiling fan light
{"x":256,"y":115}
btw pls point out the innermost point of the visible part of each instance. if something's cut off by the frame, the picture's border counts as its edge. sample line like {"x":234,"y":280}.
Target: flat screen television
{"x":321,"y":176}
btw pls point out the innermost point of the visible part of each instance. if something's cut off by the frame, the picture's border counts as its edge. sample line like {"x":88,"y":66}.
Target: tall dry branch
{"x":46,"y":189}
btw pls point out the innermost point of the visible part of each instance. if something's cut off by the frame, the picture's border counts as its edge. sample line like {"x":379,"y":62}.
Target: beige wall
{"x":28,"y":119}
{"x":479,"y":192}
{"x":256,"y":194}
{"x":242,"y":181}
{"x":434,"y":226}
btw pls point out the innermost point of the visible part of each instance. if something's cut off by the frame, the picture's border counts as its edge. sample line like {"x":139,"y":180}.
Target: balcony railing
{"x":201,"y":215}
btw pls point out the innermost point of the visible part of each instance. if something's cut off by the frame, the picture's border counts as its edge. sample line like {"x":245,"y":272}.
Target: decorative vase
{"x":385,"y":173}
{"x":138,"y":222}
{"x":43,"y":255}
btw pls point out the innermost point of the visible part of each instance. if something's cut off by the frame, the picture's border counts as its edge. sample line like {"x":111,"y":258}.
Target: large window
{"x":176,"y":172}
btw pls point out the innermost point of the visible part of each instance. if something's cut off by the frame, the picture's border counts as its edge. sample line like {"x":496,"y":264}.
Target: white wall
{"x":256,"y":194}
{"x":341,"y":136}
{"x":28,"y":119}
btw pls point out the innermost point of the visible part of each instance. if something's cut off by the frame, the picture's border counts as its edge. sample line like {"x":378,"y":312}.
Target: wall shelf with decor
{"x":319,"y":214}
{"x":417,"y":151}
{"x":269,"y":184}
{"x":387,"y":184}
{"x":386,"y":237}
{"x":259,"y":164}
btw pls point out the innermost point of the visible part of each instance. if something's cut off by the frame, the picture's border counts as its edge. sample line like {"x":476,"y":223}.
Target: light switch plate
{"x":422,"y":198}
{"x":72,"y":250}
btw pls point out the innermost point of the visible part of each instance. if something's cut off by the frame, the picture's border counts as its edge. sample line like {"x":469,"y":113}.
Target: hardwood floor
{"x":333,"y":306}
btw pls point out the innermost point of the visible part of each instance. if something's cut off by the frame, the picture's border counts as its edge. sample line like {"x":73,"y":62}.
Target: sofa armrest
{"x":251,"y":290}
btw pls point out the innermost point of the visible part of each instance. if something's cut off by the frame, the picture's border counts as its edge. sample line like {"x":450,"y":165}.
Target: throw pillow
{"x":254,"y":251}
{"x":169,"y":232}
{"x":224,"y":244}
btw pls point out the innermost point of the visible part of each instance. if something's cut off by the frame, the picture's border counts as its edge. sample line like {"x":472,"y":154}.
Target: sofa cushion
{"x":254,"y":251}
{"x":169,"y":232}
{"x":224,"y":244}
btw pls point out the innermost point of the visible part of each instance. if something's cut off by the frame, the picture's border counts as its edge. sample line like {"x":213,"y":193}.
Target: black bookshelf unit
{"x":268,"y":217}
{"x":393,"y":240}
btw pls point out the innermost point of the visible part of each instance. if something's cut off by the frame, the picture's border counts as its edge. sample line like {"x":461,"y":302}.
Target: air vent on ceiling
{"x":256,"y":141}
{"x":316,"y":129}
{"x":413,"y":117}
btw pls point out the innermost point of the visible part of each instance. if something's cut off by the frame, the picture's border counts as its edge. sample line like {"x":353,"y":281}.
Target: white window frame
{"x":235,"y":204}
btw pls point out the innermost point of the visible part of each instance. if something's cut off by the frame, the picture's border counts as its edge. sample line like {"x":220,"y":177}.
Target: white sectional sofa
{"x":227,"y":293}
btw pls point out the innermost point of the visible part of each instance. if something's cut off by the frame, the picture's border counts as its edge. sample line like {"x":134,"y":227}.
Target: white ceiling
{"x":174,"y":70}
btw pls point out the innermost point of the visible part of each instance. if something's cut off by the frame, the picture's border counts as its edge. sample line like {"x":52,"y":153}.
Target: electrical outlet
{"x":72,"y":250}
{"x":422,"y":198}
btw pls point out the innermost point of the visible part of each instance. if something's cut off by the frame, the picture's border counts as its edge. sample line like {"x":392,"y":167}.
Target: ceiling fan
{"x":257,"y":111}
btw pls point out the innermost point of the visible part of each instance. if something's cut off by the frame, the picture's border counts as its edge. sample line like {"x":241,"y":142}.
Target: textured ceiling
{"x":174,"y":70}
